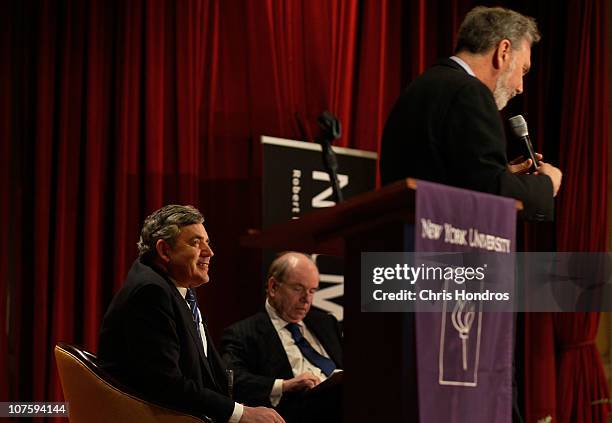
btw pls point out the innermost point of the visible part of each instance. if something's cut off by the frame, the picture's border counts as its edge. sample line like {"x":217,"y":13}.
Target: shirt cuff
{"x":237,"y":414}
{"x":277,"y":392}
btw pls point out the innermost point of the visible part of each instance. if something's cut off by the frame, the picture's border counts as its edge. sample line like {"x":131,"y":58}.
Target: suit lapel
{"x":271,"y":343}
{"x":215,"y":365}
{"x":188,"y":323}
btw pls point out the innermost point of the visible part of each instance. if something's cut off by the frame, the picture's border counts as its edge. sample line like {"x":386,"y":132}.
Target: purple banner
{"x":464,"y":355}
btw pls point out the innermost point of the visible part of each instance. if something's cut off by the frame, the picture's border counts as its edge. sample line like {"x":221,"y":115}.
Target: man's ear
{"x":502,"y":54}
{"x":163,"y":250}
{"x":272,"y":286}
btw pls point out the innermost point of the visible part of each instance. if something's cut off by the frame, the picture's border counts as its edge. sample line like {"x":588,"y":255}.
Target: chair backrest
{"x":93,"y":396}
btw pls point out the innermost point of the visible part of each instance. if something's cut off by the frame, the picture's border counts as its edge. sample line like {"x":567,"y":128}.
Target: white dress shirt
{"x":238,"y":408}
{"x":299,"y":363}
{"x":464,"y":65}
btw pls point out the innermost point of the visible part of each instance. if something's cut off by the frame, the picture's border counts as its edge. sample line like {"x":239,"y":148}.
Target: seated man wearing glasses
{"x":280,"y":354}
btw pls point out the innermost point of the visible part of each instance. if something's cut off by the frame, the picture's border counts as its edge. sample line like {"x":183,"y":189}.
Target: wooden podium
{"x":379,"y":348}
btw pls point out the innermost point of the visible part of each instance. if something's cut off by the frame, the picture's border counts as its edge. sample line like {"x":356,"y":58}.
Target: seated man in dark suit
{"x":281,"y":353}
{"x":152,"y":337}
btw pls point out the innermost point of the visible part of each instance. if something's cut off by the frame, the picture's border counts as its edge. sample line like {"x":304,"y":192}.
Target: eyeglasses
{"x":300,"y":289}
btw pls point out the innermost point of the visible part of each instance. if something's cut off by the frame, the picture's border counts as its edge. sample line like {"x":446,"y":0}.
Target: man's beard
{"x":503,"y":93}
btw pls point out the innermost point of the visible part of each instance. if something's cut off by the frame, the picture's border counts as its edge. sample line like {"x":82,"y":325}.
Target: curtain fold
{"x":540,"y":383}
{"x":583,"y":142}
{"x":583,"y":394}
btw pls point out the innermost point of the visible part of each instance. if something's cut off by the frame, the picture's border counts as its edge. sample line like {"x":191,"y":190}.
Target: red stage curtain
{"x":582,"y":389}
{"x":120,"y":107}
{"x":114,"y":108}
{"x":105,"y":128}
{"x":582,"y":394}
{"x":275,"y":66}
{"x":539,"y":392}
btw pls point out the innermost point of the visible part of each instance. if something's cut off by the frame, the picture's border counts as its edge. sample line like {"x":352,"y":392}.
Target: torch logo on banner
{"x":462,"y":319}
{"x":461,"y":330}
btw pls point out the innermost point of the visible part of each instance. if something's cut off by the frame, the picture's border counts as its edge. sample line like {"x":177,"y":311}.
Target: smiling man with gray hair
{"x":153,"y":338}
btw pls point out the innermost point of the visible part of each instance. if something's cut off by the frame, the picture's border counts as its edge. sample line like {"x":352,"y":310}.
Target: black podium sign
{"x":295,"y":182}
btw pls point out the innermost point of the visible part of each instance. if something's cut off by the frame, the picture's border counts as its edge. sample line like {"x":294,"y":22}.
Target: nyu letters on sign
{"x":295,"y":182}
{"x":464,"y":355}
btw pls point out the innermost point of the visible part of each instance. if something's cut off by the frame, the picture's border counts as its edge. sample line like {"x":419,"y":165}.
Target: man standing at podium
{"x":281,"y":353}
{"x":446,"y":126}
{"x":153,"y":338}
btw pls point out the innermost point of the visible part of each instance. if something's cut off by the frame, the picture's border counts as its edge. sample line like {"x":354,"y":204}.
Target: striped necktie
{"x":195,"y":312}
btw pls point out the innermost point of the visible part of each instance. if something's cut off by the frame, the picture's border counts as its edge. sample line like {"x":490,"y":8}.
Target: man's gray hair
{"x":484,"y":27}
{"x":165,"y":224}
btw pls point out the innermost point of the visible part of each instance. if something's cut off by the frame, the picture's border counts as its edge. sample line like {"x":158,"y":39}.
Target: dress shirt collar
{"x":181,"y":290}
{"x":277,"y":321}
{"x":464,"y":65}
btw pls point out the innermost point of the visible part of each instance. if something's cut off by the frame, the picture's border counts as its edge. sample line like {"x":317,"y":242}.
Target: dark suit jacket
{"x":446,"y":128}
{"x":149,"y":342}
{"x":254,"y":350}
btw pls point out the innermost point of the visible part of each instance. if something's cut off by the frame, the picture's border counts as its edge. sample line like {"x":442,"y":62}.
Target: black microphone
{"x":518,"y":125}
{"x":331,"y":130}
{"x":330,"y":124}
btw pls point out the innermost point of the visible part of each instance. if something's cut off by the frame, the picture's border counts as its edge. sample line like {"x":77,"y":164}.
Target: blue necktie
{"x":326,"y":365}
{"x":193,"y":306}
